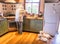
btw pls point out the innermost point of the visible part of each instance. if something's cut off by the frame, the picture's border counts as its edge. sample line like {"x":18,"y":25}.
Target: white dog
{"x":44,"y":36}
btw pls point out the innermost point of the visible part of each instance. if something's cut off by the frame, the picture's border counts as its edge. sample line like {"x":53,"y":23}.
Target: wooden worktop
{"x":10,"y":17}
{"x":33,"y":17}
{"x":28,"y":17}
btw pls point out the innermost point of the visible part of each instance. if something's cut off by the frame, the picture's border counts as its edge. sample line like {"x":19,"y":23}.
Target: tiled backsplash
{"x":9,"y":8}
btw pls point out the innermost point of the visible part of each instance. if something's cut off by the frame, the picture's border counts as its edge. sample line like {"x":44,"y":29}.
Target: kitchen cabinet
{"x":36,"y":25}
{"x":32,"y":25}
{"x":11,"y":23}
{"x":26,"y":25}
{"x":3,"y":26}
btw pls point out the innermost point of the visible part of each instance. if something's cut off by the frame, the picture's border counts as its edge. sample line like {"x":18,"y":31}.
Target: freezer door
{"x":50,"y":14}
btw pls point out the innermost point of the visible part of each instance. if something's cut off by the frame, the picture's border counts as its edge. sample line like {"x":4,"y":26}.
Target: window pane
{"x":28,"y":7}
{"x":32,"y":0}
{"x":35,"y":0}
{"x":35,"y":8}
{"x":28,"y":0}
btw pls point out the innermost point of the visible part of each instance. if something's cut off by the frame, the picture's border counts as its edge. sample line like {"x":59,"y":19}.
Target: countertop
{"x":34,"y":17}
{"x":28,"y":17}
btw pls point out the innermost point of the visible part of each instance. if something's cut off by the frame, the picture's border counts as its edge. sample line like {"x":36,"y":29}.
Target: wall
{"x":20,"y":1}
{"x":17,"y":0}
{"x":41,"y":4}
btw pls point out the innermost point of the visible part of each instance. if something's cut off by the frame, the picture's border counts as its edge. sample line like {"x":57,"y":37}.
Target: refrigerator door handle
{"x":43,"y":22}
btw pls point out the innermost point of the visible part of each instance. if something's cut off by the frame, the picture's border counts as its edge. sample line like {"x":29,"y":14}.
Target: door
{"x":50,"y":14}
{"x":50,"y":28}
{"x":36,"y":25}
{"x":50,"y":19}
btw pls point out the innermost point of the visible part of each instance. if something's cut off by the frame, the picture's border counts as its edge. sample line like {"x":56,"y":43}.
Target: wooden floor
{"x":24,"y":38}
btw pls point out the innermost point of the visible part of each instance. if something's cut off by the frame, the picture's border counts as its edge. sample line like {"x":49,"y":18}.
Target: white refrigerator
{"x":51,"y":19}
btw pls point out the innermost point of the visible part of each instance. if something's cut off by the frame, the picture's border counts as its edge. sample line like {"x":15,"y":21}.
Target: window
{"x":32,"y":6}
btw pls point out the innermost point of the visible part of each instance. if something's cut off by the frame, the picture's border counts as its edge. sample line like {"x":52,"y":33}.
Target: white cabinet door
{"x":50,"y":28}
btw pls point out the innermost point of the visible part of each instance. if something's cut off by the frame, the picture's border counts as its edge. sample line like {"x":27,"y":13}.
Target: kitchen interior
{"x":34,"y":16}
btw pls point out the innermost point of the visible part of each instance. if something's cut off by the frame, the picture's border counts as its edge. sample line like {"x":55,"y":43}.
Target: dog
{"x":44,"y":36}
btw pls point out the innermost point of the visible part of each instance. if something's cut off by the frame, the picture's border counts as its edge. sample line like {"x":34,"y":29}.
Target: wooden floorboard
{"x":24,"y":38}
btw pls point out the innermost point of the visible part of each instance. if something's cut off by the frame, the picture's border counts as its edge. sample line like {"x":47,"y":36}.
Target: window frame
{"x":32,"y":2}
